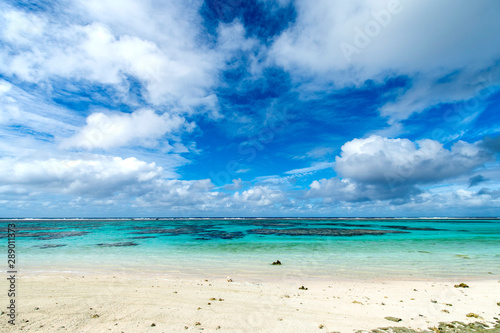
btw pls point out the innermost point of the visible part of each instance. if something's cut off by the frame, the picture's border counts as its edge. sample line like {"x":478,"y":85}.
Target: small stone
{"x":197,"y":323}
{"x":433,"y":301}
{"x":229,"y":279}
{"x":198,"y":308}
{"x":321,"y":326}
{"x":498,"y":303}
{"x":186,"y":327}
{"x":277,"y":262}
{"x":153,"y":325}
{"x":472,"y":315}
{"x":356,"y":302}
{"x":209,"y":304}
{"x":37,"y":308}
{"x":445,"y":311}
{"x":217,"y":328}
{"x":95,"y":315}
{"x":461,"y":285}
{"x":303,"y":288}
{"x":221,"y":299}
{"x":393,"y":319}
{"x":212,"y":299}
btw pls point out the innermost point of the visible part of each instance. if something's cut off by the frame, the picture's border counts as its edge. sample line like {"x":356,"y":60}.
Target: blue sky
{"x":249,"y":108}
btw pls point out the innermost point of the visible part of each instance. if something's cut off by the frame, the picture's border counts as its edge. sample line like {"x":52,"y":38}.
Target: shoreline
{"x":131,"y":303}
{"x":262,"y":274}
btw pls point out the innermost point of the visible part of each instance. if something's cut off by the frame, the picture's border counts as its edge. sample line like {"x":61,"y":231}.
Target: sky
{"x":190,"y":108}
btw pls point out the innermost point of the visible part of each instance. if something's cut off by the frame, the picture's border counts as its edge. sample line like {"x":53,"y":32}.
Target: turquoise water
{"x":308,"y":248}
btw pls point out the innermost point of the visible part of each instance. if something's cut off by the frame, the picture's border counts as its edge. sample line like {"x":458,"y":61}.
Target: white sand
{"x":127,"y":303}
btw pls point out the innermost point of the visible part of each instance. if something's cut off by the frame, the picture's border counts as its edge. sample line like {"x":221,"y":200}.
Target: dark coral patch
{"x":221,"y":235}
{"x":186,"y":230}
{"x":52,"y":235}
{"x":50,"y":246}
{"x":321,"y":232}
{"x":118,"y":244}
{"x":402,"y":227}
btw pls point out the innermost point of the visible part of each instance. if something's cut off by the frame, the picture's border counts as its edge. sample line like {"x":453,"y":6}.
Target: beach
{"x":128,"y":303}
{"x":178,"y":275}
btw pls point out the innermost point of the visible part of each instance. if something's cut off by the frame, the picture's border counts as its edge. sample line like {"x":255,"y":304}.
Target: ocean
{"x":308,"y":248}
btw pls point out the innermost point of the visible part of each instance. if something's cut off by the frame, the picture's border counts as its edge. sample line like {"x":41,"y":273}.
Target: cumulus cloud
{"x":236,"y":185}
{"x":338,"y":190}
{"x":101,"y":50}
{"x":184,"y":196}
{"x":377,"y":160}
{"x":377,"y":168}
{"x":94,"y":176}
{"x":142,"y":127}
{"x":351,"y":42}
{"x":258,"y":195}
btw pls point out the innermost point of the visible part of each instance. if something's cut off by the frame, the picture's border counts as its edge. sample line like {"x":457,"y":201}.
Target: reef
{"x":53,"y":235}
{"x":49,"y":246}
{"x":118,"y":244}
{"x":321,"y":232}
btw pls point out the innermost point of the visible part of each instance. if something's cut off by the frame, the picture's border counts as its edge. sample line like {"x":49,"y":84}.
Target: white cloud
{"x":395,"y":37}
{"x":382,"y":160}
{"x":183,"y":195}
{"x":19,"y":108}
{"x":140,"y":128}
{"x":258,"y":195}
{"x":335,"y":190}
{"x":115,"y":42}
{"x":236,"y":185}
{"x":313,"y":168}
{"x":378,"y":168}
{"x":95,"y":175}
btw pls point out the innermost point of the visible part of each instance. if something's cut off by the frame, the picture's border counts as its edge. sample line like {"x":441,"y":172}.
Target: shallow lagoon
{"x":322,"y":248}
